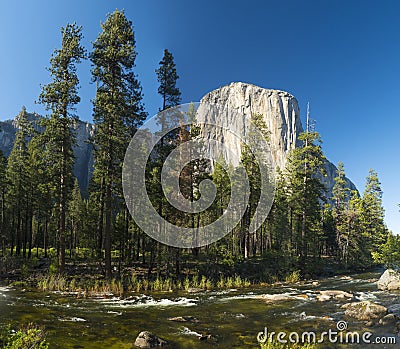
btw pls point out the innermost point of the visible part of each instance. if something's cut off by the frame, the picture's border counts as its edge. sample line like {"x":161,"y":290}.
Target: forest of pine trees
{"x":44,"y":215}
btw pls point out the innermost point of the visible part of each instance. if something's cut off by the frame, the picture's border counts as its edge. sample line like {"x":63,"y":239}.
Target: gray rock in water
{"x":336,"y":294}
{"x":390,"y":280}
{"x":365,"y":310}
{"x":183,"y":319}
{"x":147,"y":339}
{"x":389,"y":319}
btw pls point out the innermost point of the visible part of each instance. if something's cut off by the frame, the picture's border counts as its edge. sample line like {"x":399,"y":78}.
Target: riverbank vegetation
{"x":71,"y":238}
{"x":24,"y":337}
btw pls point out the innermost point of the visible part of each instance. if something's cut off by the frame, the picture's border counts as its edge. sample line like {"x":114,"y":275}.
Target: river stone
{"x":323,"y":298}
{"x":279,"y":297}
{"x":336,"y":294}
{"x":389,"y":319}
{"x":390,"y":280}
{"x":365,"y":310}
{"x":146,"y":339}
{"x":183,"y":319}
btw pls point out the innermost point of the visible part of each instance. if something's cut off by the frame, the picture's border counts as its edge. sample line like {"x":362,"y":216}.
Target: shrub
{"x":28,"y":337}
{"x":293,"y":277}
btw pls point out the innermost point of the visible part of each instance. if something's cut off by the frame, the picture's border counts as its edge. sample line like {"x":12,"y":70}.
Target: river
{"x":233,"y":317}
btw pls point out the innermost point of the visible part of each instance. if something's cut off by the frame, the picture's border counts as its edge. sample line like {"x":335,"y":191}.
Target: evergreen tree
{"x":18,"y":179}
{"x":41,"y":198}
{"x":117,"y":112}
{"x":167,"y":78}
{"x":389,"y":253}
{"x":372,"y":217}
{"x":76,"y":216}
{"x":3,"y":188}
{"x":306,"y":192}
{"x":251,"y":166}
{"x":171,"y":96}
{"x":60,"y":97}
{"x":340,"y":207}
{"x":355,"y":246}
{"x":278,"y":219}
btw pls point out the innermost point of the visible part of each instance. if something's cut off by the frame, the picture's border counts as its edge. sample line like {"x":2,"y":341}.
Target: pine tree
{"x":18,"y":179}
{"x":251,"y":166}
{"x":167,"y":78}
{"x":304,"y":170}
{"x":171,"y":96}
{"x":117,"y":112}
{"x":279,"y":236}
{"x":340,"y":207}
{"x":76,"y":216}
{"x":41,"y":200}
{"x":373,"y":212}
{"x":60,"y":97}
{"x":3,"y":188}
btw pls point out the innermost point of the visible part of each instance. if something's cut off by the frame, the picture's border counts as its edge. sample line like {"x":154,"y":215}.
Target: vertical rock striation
{"x":281,"y":115}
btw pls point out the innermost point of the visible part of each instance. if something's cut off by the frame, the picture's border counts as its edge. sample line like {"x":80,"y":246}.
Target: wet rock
{"x":302,"y":296}
{"x":346,"y":278}
{"x":390,"y":280}
{"x":205,"y":337}
{"x":146,"y":339}
{"x":389,"y":319}
{"x":365,"y":310}
{"x":315,"y":283}
{"x":323,"y":298}
{"x":183,"y":319}
{"x":281,"y":297}
{"x":336,"y":294}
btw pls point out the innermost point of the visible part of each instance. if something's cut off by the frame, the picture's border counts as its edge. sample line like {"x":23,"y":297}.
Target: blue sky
{"x":342,"y":56}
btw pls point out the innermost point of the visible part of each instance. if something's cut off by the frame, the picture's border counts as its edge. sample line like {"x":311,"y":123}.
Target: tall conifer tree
{"x":60,"y":97}
{"x":117,"y":112}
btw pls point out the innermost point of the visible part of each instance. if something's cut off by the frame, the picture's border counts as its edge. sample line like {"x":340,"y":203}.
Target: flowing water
{"x":233,"y":317}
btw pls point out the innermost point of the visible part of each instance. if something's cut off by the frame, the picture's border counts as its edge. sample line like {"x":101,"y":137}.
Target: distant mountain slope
{"x":83,"y":150}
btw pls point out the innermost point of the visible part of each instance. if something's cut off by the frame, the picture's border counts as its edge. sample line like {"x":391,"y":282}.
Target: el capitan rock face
{"x":280,"y":111}
{"x":281,"y":115}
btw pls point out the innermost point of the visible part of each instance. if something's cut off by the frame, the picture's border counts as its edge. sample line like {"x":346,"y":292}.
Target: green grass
{"x":133,"y":284}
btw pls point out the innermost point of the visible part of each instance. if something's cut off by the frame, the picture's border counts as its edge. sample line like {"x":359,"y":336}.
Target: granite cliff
{"x":83,"y":150}
{"x":281,"y":115}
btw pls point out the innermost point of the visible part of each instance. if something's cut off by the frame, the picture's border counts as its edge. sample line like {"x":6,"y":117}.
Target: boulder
{"x":365,"y":310}
{"x":336,"y":294}
{"x":323,"y":298}
{"x":330,"y":294}
{"x":279,"y":297}
{"x":183,"y":319}
{"x":390,"y":280}
{"x":389,"y":319}
{"x":146,"y":339}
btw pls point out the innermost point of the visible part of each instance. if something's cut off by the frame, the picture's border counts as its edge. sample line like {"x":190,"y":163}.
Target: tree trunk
{"x":107,"y":232}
